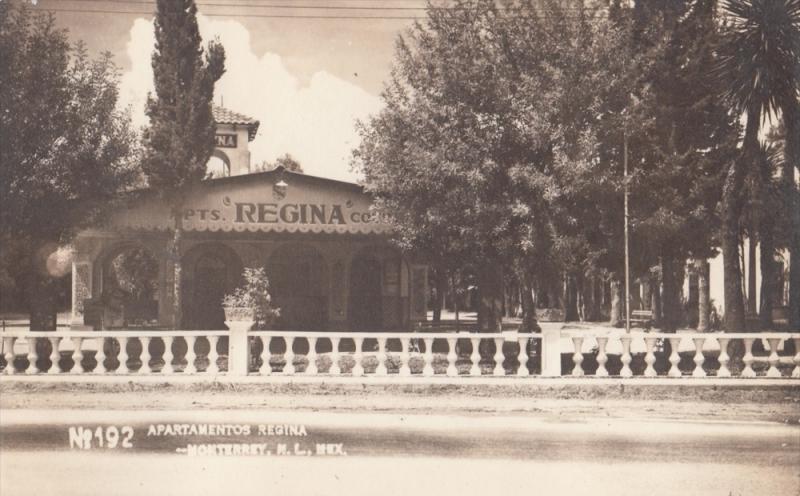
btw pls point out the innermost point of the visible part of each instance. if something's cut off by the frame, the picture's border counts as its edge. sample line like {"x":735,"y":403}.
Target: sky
{"x":306,"y":79}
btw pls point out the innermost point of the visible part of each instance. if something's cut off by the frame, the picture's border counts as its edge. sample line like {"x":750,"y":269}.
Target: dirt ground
{"x":778,"y":403}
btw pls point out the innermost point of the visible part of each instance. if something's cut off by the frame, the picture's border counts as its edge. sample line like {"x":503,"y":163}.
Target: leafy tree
{"x":286,"y":161}
{"x":758,"y":75}
{"x":65,"y":149}
{"x":180,"y":138}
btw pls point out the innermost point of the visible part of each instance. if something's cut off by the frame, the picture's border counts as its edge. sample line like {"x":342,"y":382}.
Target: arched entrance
{"x":366,"y":308}
{"x":210,"y":272}
{"x":298,"y":277}
{"x":129,"y":289}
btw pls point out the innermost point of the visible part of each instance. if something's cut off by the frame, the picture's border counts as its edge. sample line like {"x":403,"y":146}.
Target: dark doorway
{"x":298,"y":285}
{"x":366,"y":313}
{"x":210,"y":282}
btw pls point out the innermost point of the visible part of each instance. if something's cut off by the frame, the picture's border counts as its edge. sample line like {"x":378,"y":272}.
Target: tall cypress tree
{"x":180,"y":138}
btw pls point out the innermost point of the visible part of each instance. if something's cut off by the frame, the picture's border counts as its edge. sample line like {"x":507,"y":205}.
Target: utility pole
{"x":627,"y":248}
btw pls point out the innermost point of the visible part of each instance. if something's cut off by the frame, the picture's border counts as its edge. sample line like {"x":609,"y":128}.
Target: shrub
{"x":254,"y":294}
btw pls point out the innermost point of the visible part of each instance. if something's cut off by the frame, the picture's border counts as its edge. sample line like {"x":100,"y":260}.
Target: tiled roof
{"x":225,"y":116}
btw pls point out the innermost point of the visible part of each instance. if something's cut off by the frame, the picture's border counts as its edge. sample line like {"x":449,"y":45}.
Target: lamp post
{"x":627,"y":247}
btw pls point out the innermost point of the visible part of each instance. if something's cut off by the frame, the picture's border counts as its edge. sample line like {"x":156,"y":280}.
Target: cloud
{"x":314,"y":122}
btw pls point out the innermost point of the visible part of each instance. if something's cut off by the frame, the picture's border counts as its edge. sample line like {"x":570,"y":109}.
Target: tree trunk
{"x":570,"y":298}
{"x":440,"y":281}
{"x":42,"y":300}
{"x":672,"y":277}
{"x":655,"y":292}
{"x":703,"y":295}
{"x":791,"y":163}
{"x":616,"y":304}
{"x":177,"y":296}
{"x":490,"y":305}
{"x":751,"y":271}
{"x":766,"y":235}
{"x":731,"y":212}
{"x":529,"y":323}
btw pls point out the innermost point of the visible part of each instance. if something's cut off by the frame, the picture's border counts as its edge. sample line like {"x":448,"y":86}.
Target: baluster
{"x":796,"y":371}
{"x":167,"y":356}
{"x":698,"y":358}
{"x":523,"y":357}
{"x":335,"y":369}
{"x":405,"y":357}
{"x":626,"y":356}
{"x":191,"y":356}
{"x":77,"y":356}
{"x":427,"y":369}
{"x":748,"y":358}
{"x":32,"y":356}
{"x":100,"y":356}
{"x":498,"y":357}
{"x":9,"y":356}
{"x":55,"y":356}
{"x":122,"y":358}
{"x":213,"y":355}
{"x":358,"y":356}
{"x":724,"y":358}
{"x":288,"y":369}
{"x":475,"y":357}
{"x":650,"y":357}
{"x":311,"y":368}
{"x":577,"y":357}
{"x":381,"y":369}
{"x":266,"y":368}
{"x":602,"y":357}
{"x":452,"y":371}
{"x":773,"y":359}
{"x":674,"y":357}
{"x":144,"y":357}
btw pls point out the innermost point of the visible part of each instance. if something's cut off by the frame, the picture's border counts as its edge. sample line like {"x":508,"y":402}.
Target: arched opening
{"x":298,"y":278}
{"x":211,"y":271}
{"x":366,"y":305}
{"x":129,"y":287}
{"x":219,"y":165}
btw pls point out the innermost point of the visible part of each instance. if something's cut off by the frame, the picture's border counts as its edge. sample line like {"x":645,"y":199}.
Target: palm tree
{"x":758,"y":71}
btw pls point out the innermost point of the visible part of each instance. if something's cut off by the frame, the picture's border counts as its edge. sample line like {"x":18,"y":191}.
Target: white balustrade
{"x":776,"y":359}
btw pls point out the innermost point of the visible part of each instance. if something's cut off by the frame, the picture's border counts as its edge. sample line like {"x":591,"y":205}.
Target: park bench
{"x":642,"y":318}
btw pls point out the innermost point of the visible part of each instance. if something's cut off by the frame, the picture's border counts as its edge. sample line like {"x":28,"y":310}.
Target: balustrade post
{"x":144,"y":356}
{"x":77,"y":356}
{"x":724,"y":358}
{"x":650,"y":357}
{"x":405,"y":368}
{"x":427,"y":369}
{"x":100,"y":356}
{"x":452,"y":371}
{"x":358,"y":356}
{"x":551,"y":352}
{"x":577,"y":357}
{"x":381,"y":369}
{"x":796,"y":371}
{"x":626,"y":356}
{"x":311,"y":368}
{"x":55,"y":356}
{"x":602,"y":356}
{"x":8,"y":353}
{"x":32,"y":356}
{"x":499,"y":357}
{"x":748,"y":358}
{"x":123,"y":356}
{"x":167,"y":356}
{"x":191,"y":356}
{"x":239,"y":347}
{"x":773,"y":359}
{"x":699,"y":359}
{"x":674,"y":357}
{"x":289,"y":369}
{"x":523,"y":357}
{"x":475,"y":357}
{"x":335,"y":368}
{"x":266,"y":368}
{"x":213,"y":355}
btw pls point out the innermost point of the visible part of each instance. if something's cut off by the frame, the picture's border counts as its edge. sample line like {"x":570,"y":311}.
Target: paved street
{"x":352,"y":453}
